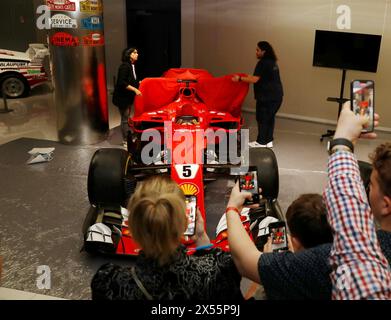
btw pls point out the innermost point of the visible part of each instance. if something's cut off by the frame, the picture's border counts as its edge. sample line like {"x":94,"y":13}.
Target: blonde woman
{"x":164,"y":270}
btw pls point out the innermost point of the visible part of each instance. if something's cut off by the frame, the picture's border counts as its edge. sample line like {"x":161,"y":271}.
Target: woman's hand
{"x":201,"y":237}
{"x":236,"y":78}
{"x":137,"y":92}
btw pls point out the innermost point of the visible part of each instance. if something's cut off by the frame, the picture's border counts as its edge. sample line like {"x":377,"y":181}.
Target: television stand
{"x":330,"y":133}
{"x":341,"y":100}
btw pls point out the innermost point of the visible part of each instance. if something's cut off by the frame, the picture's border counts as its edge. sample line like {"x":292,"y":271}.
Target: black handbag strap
{"x":140,"y":284}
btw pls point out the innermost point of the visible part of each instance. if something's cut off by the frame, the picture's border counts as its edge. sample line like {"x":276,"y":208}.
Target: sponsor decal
{"x":62,"y":21}
{"x":91,"y":6}
{"x":187,"y":171}
{"x":63,"y":39}
{"x":92,"y":23}
{"x":33,"y":71}
{"x":61,"y":5}
{"x":189,"y":189}
{"x":93,"y":39}
{"x":7,"y":64}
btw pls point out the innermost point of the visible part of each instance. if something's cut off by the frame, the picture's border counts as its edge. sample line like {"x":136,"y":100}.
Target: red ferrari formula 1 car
{"x":187,"y":124}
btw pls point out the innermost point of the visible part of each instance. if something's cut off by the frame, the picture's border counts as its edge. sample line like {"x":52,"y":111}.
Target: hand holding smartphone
{"x":362,"y":93}
{"x":279,"y":236}
{"x":249,"y":182}
{"x":191,"y":213}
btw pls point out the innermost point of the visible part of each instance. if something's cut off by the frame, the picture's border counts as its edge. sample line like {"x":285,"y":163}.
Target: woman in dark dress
{"x":126,"y":88}
{"x":164,"y":270}
{"x":268,"y":93}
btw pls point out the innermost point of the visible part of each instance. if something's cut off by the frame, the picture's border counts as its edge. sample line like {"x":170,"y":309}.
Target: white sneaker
{"x":270,"y":145}
{"x":255,"y":144}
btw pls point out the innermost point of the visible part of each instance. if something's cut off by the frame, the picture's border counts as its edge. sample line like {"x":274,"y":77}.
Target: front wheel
{"x":109,"y":185}
{"x":268,"y":179}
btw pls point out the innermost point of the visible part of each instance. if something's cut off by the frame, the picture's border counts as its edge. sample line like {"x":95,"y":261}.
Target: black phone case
{"x":277,"y":225}
{"x":255,"y":199}
{"x":255,"y":196}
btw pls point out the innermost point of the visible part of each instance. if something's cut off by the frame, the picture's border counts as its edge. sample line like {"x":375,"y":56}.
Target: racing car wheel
{"x":265,"y":161}
{"x":108,"y":184}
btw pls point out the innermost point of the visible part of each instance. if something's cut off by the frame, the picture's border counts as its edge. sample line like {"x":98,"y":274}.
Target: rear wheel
{"x":14,"y":86}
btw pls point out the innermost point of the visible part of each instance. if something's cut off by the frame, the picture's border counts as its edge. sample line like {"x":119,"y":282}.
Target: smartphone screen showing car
{"x":249,"y":182}
{"x":191,"y":212}
{"x":363,"y":100}
{"x":279,"y":236}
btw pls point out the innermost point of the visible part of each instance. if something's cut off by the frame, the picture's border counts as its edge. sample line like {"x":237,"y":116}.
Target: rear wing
{"x":219,"y":94}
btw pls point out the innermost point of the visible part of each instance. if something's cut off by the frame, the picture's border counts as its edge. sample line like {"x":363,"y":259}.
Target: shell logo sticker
{"x":189,"y":189}
{"x":63,"y":39}
{"x":61,"y":5}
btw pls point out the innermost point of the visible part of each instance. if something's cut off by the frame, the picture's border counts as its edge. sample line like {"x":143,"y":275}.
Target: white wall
{"x":226,"y":33}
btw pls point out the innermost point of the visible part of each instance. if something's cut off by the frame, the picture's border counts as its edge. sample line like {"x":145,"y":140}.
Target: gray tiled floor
{"x":42,"y":207}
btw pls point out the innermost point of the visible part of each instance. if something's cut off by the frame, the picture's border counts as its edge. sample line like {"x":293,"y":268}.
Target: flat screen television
{"x":346,"y":50}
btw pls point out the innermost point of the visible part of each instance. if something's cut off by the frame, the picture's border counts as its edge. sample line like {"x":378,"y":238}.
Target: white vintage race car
{"x":21,"y":71}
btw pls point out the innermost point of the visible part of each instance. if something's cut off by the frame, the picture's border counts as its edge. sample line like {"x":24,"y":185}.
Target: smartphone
{"x":362,"y":94}
{"x":191,"y":213}
{"x":279,"y":236}
{"x":249,"y":182}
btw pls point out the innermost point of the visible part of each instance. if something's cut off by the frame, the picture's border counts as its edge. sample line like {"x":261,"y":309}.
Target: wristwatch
{"x":340,"y":144}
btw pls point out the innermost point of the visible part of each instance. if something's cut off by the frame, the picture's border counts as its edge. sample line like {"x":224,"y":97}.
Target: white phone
{"x":191,"y":213}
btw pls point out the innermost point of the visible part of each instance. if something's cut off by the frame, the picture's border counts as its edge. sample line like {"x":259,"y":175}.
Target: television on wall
{"x":346,"y":50}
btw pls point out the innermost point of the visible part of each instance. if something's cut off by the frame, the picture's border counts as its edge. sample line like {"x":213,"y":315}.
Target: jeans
{"x":124,"y":122}
{"x":266,"y":115}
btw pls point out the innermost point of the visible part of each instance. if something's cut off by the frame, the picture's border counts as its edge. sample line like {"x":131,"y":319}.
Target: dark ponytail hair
{"x":269,"y":54}
{"x":126,"y":54}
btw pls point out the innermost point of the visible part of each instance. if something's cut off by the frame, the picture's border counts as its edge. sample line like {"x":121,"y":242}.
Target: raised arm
{"x":360,"y":270}
{"x":244,"y":252}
